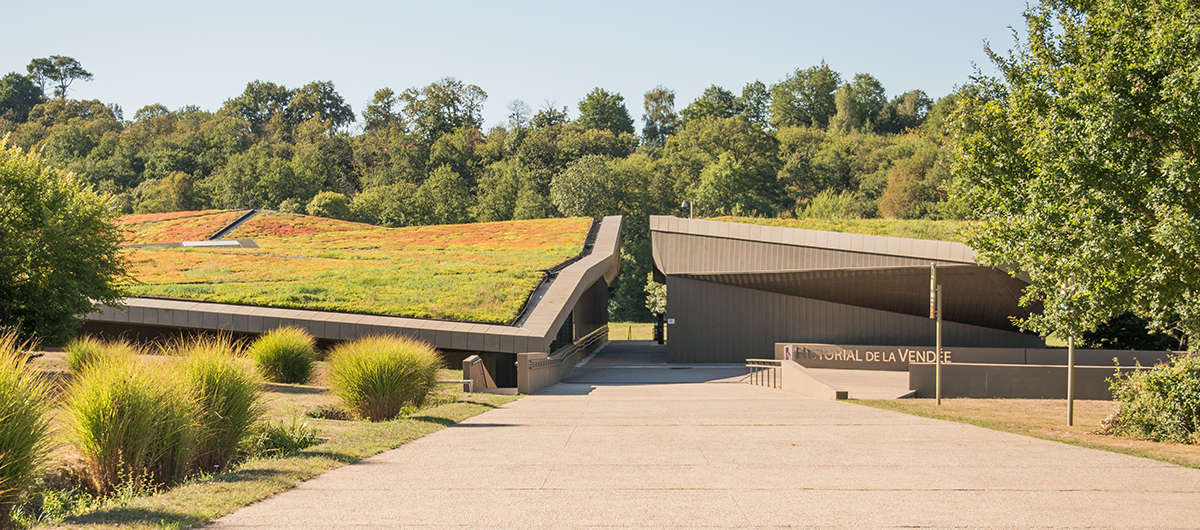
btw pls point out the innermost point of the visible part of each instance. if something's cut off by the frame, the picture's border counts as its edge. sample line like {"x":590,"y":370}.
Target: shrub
{"x":278,"y":439}
{"x":85,"y":350}
{"x":376,"y":376}
{"x":133,"y":425}
{"x":1160,"y":404}
{"x":228,"y":393}
{"x":24,"y":424}
{"x":285,"y":355}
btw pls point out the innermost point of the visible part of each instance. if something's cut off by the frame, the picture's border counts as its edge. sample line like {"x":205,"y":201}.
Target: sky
{"x":542,"y":52}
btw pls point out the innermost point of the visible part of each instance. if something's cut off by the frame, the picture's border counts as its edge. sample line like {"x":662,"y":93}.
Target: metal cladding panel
{"x":716,"y":323}
{"x":694,"y":254}
{"x":973,"y":295}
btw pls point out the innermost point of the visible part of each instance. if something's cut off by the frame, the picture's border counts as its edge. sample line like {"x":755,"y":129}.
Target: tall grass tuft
{"x":134,"y":425}
{"x":376,"y":376}
{"x":285,"y":355}
{"x":24,"y":424}
{"x":228,"y":392}
{"x":84,"y":351}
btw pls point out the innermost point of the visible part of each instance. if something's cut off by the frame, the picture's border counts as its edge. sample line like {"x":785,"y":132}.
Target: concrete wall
{"x":717,"y":323}
{"x":1011,"y":381}
{"x":896,"y":357}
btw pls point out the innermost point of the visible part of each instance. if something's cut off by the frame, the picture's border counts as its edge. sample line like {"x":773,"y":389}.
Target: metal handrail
{"x":561,"y":355}
{"x":764,"y":372}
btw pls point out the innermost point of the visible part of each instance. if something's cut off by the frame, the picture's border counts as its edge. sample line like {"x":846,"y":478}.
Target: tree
{"x":58,"y":248}
{"x":805,"y":98}
{"x":58,"y":69}
{"x":259,"y":103}
{"x":382,"y":113}
{"x":727,"y":188}
{"x":603,"y":110}
{"x":586,"y":188}
{"x":1081,"y":166}
{"x":715,"y":102}
{"x":18,"y":95}
{"x":906,"y":111}
{"x":442,"y":106}
{"x":660,"y":118}
{"x":755,"y":103}
{"x":319,"y":98}
{"x":329,"y":204}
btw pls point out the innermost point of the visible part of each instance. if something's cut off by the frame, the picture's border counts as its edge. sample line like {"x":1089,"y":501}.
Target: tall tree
{"x":805,"y":98}
{"x":59,"y":70}
{"x":18,"y":95}
{"x":1082,"y":166}
{"x":715,"y":102}
{"x":601,"y":109}
{"x":319,"y":98}
{"x":659,"y":117}
{"x":261,"y":101}
{"x":381,"y":112}
{"x":755,"y":103}
{"x":442,"y":106}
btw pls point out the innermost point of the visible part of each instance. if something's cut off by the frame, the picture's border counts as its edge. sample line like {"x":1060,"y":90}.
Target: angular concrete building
{"x":734,"y":290}
{"x":569,"y":308}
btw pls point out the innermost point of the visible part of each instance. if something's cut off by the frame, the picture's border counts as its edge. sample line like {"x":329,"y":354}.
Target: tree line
{"x":812,"y":144}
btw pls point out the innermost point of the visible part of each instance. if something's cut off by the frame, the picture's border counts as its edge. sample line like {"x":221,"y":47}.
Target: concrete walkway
{"x":722,"y":455}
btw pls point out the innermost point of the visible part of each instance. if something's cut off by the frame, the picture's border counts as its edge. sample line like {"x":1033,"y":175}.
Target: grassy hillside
{"x":481,"y":272}
{"x":912,"y":228}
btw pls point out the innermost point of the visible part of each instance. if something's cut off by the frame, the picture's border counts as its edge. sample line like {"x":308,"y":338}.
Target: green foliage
{"x":586,"y":188}
{"x":58,"y":69}
{"x":1160,"y":404}
{"x":228,"y":392}
{"x":329,"y":204}
{"x":656,"y":296}
{"x":603,"y":110}
{"x":831,"y":205}
{"x":85,"y":351}
{"x":134,"y":426}
{"x":274,"y":439}
{"x":1079,"y":163}
{"x":715,"y":102}
{"x":442,"y":199}
{"x":805,"y":98}
{"x":660,"y":118}
{"x":24,"y":423}
{"x":285,"y":355}
{"x":1127,"y":331}
{"x":728,"y":188}
{"x":18,"y":95}
{"x":443,"y":106}
{"x":58,"y":248}
{"x":377,"y":376}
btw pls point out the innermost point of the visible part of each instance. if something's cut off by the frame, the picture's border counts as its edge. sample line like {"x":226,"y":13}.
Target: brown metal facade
{"x":734,"y":290}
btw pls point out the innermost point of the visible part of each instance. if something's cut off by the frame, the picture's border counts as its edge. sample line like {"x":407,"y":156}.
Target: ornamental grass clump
{"x":285,"y":355}
{"x":1160,"y":404}
{"x":377,"y":376}
{"x":24,"y":424}
{"x":134,"y":425}
{"x":228,"y":393}
{"x":83,"y":351}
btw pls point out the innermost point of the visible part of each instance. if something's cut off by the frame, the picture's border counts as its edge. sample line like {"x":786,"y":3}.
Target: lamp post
{"x":689,"y":206}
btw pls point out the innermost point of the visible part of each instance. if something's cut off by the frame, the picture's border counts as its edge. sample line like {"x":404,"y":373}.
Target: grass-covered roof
{"x":473,"y":272}
{"x":910,"y":228}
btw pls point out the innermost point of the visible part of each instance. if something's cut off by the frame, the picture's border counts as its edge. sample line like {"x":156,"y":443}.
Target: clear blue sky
{"x":203,"y":53}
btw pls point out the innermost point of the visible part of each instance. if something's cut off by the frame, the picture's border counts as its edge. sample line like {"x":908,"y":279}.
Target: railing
{"x":765,"y":372}
{"x":566,"y":352}
{"x":536,"y":371}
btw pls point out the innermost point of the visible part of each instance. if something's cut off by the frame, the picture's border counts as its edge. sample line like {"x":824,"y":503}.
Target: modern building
{"x":569,"y":307}
{"x":734,"y":290}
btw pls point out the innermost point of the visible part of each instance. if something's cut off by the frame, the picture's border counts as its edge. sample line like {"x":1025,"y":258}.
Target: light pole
{"x":689,"y":206}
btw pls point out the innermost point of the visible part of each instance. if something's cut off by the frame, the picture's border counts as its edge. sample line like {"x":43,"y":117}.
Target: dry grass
{"x":630,"y":331}
{"x":1046,"y":419}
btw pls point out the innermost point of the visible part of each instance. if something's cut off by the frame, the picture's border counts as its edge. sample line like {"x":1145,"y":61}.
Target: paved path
{"x":724,"y":455}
